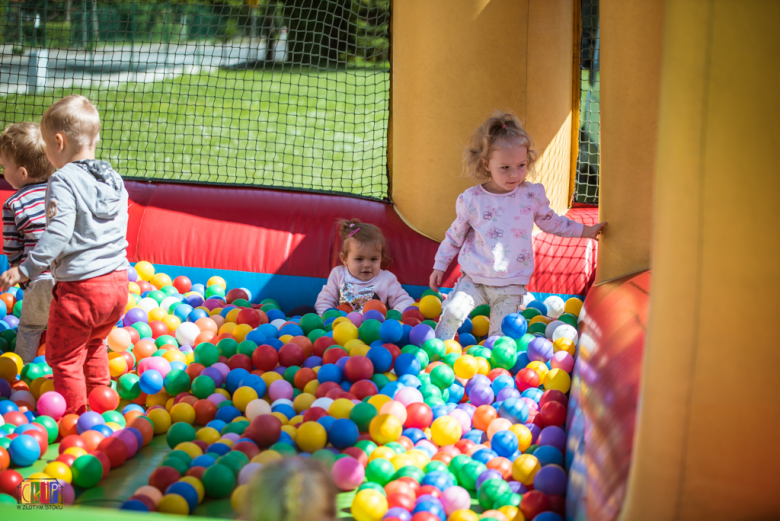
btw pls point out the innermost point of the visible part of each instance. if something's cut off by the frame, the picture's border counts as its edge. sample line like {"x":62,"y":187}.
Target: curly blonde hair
{"x":23,"y":144}
{"x":364,"y":233}
{"x":501,"y":130}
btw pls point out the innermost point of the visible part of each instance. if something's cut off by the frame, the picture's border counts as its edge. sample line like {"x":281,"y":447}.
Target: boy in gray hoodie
{"x":84,"y":246}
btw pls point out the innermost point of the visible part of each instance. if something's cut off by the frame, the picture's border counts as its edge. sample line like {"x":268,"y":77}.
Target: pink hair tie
{"x":503,"y":126}
{"x":353,"y":232}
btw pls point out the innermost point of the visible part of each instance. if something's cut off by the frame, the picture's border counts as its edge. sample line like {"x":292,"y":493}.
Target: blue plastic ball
{"x":151,"y":381}
{"x":194,"y":315}
{"x":514,"y":325}
{"x":182,"y":311}
{"x":514,"y":410}
{"x":484,"y":455}
{"x":391,"y":331}
{"x":256,"y":336}
{"x":227,"y":413}
{"x":381,"y":358}
{"x":438,"y":479}
{"x":204,"y":460}
{"x":504,"y":443}
{"x":407,"y":363}
{"x":343,"y":433}
{"x":268,"y":330}
{"x":24,"y":450}
{"x":275,"y":314}
{"x":234,"y":378}
{"x":185,"y":490}
{"x":466,"y":340}
{"x":105,"y":430}
{"x":330,"y":373}
{"x":414,"y":434}
{"x":291,"y":329}
{"x":538,"y":304}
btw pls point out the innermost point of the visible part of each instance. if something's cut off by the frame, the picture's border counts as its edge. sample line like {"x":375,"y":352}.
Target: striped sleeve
{"x":13,"y":240}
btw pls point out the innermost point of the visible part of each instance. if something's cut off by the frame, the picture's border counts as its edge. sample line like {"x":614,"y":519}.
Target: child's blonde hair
{"x":23,"y":144}
{"x":75,"y":117}
{"x":292,"y":489}
{"x":501,"y":130}
{"x":364,"y":233}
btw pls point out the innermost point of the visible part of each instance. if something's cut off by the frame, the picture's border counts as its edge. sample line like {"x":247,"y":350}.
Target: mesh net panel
{"x":289,"y":94}
{"x":586,"y":187}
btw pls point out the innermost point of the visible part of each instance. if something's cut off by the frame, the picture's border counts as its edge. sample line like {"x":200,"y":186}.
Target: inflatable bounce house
{"x":670,"y":412}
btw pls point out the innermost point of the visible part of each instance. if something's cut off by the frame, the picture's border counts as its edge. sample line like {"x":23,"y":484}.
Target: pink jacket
{"x":492,"y":233}
{"x":342,"y":287}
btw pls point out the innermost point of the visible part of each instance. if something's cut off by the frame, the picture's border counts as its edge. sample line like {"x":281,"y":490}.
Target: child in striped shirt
{"x":26,"y":168}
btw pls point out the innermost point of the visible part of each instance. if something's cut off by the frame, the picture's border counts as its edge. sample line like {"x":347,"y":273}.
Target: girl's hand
{"x":592,"y":232}
{"x":11,"y":278}
{"x":435,"y":279}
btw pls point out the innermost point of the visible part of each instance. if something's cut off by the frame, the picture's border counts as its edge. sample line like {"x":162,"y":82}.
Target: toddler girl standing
{"x":492,"y":231}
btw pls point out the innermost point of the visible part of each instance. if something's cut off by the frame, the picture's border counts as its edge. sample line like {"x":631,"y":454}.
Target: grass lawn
{"x":318,"y":131}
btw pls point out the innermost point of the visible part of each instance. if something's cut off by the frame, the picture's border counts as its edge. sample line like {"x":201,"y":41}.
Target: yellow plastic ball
{"x":208,"y":434}
{"x":145,"y":270}
{"x":131,"y":303}
{"x":369,"y":505}
{"x":466,"y":366}
{"x":35,"y":386}
{"x":132,"y":287}
{"x":382,"y":453}
{"x":183,"y":412}
{"x":161,"y":420}
{"x":292,"y":431}
{"x":47,"y":386}
{"x":564,"y":344}
{"x":190,"y":448}
{"x":266,"y":457}
{"x":232,"y":315}
{"x":445,"y":430}
{"x":227,"y":327}
{"x":511,"y":513}
{"x":430,"y":306}
{"x":378,"y":400}
{"x":303,"y":401}
{"x":403,"y":460}
{"x":270,"y":377}
{"x":59,"y":470}
{"x":525,"y":468}
{"x":420,"y":458}
{"x":238,"y":499}
{"x":558,"y":380}
{"x":390,"y":376}
{"x":157,"y":314}
{"x":524,"y":436}
{"x":453,"y":347}
{"x":357,"y":348}
{"x":75,"y":451}
{"x":338,"y":320}
{"x":241,"y":331}
{"x":226,"y":441}
{"x":341,"y":408}
{"x":385,"y":428}
{"x":312,"y":437}
{"x":286,"y":339}
{"x":573,"y":306}
{"x":239,"y":419}
{"x":483,"y":366}
{"x":173,"y":504}
{"x":343,"y":333}
{"x":160,"y":280}
{"x":117,"y":365}
{"x":463,"y":515}
{"x":114,"y":426}
{"x":296,"y":420}
{"x":223,"y":392}
{"x":243,"y":396}
{"x":480,"y":325}
{"x":197,"y":485}
{"x":174,"y":355}
{"x":540,"y":368}
{"x":539,"y":318}
{"x":157,"y":399}
{"x":16,"y":359}
{"x":309,"y":388}
{"x":282,"y":417}
{"x":172,"y":322}
{"x":191,"y":357}
{"x":219,"y":281}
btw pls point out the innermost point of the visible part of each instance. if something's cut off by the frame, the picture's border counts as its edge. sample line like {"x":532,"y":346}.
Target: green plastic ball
{"x":409,"y":471}
{"x":362,"y":414}
{"x":52,"y":430}
{"x":144,"y":331}
{"x":369,"y":331}
{"x":87,"y":471}
{"x":166,"y":340}
{"x":179,"y":433}
{"x":215,"y":291}
{"x":18,"y":309}
{"x":431,"y":292}
{"x":206,"y":354}
{"x":332,"y":313}
{"x":115,"y":417}
{"x":380,"y":471}
{"x":235,"y":427}
{"x":231,"y":462}
{"x":247,"y":347}
{"x":175,"y":463}
{"x":490,"y":490}
{"x":285,"y":449}
{"x":530,"y":313}
{"x":442,"y":376}
{"x":450,"y":359}
{"x":325,"y":456}
{"x":380,"y":380}
{"x":127,"y":386}
{"x":5,"y":442}
{"x":373,"y":486}
{"x":504,"y":353}
{"x":537,"y":328}
{"x":435,"y":349}
{"x":315,"y":334}
{"x":5,"y":347}
{"x":289,"y":373}
{"x":395,"y":447}
{"x":366,"y":446}
{"x":176,"y":381}
{"x":180,"y":454}
{"x":467,"y":477}
{"x":227,"y":347}
{"x":310,"y":322}
{"x":157,"y":295}
{"x":30,"y":372}
{"x":5,"y":499}
{"x":523,"y":341}
{"x":568,"y":318}
{"x":242,"y":303}
{"x":393,"y":314}
{"x":483,"y":310}
{"x":218,"y":480}
{"x":458,"y":462}
{"x":169,"y":290}
{"x":203,"y":387}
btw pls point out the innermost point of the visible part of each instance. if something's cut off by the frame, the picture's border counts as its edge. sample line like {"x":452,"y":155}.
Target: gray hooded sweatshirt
{"x":86,"y":224}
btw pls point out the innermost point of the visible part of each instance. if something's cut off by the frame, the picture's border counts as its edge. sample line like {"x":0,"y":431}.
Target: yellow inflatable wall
{"x":454,"y":63}
{"x":707,"y":432}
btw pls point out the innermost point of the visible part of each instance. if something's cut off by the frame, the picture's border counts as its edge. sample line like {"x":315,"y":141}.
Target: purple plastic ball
{"x":477,"y":379}
{"x":540,"y":350}
{"x":5,"y":388}
{"x":517,"y":487}
{"x":507,"y":393}
{"x":481,"y":395}
{"x":373,"y":314}
{"x":488,"y":474}
{"x":535,"y":432}
{"x":132,"y":275}
{"x":421,"y":333}
{"x":551,"y":480}
{"x":11,"y":320}
{"x":490,"y":342}
{"x":312,"y":362}
{"x":214,"y":374}
{"x":399,"y":512}
{"x":88,"y":420}
{"x":135,"y":315}
{"x":554,"y":436}
{"x":470,"y":409}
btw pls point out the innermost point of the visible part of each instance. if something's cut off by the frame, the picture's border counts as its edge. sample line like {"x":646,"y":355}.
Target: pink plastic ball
{"x":562,"y":360}
{"x":249,"y":471}
{"x":216,"y":399}
{"x":408,"y":396}
{"x":455,"y":498}
{"x":532,"y":405}
{"x":159,"y":364}
{"x":348,"y":473}
{"x":52,"y":404}
{"x":280,"y":389}
{"x":397,"y":409}
{"x":463,"y":419}
{"x":356,"y":318}
{"x":222,"y":368}
{"x":68,"y":494}
{"x":499,"y":424}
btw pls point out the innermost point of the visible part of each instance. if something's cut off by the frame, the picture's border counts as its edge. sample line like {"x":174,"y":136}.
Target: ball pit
{"x":420,"y":428}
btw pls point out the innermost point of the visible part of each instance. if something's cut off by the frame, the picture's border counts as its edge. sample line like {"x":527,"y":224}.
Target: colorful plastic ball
{"x":343,"y":433}
{"x":151,"y":382}
{"x":52,"y":404}
{"x":557,"y":380}
{"x":385,"y":428}
{"x":540,"y":350}
{"x":87,"y":471}
{"x":88,"y":420}
{"x":525,"y":468}
{"x":348,"y":473}
{"x":161,"y":420}
{"x":407,"y":363}
{"x":24,"y":450}
{"x":173,"y":504}
{"x":445,"y":430}
{"x":419,"y":416}
{"x":420,"y":334}
{"x":186,"y":491}
{"x":369,"y":505}
{"x":102,"y":399}
{"x":218,"y":480}
{"x":514,"y":325}
{"x":358,"y":368}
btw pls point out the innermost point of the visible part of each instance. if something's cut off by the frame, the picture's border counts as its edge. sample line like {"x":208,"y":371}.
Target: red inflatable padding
{"x":294,"y":233}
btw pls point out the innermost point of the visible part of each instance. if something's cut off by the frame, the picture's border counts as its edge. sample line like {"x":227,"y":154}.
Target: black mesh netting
{"x":290,"y":93}
{"x":586,"y":187}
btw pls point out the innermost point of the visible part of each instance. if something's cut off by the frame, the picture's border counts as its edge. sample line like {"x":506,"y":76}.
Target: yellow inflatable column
{"x":454,"y":63}
{"x":707,"y":432}
{"x":630,"y":83}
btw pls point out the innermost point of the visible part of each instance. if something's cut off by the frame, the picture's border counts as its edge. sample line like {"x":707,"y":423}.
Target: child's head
{"x":500,"y":151}
{"x":70,"y":126}
{"x":363,"y":249}
{"x":23,"y":155}
{"x":293,"y":489}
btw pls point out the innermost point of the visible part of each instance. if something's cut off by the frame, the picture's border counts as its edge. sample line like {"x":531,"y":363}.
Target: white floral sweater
{"x":492,"y":233}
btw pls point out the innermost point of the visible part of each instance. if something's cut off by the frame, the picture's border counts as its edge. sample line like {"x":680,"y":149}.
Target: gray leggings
{"x":35,"y":316}
{"x":467,"y":295}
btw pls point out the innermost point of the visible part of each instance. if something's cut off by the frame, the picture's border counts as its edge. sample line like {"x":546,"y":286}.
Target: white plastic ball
{"x":186,"y":333}
{"x":257,"y":407}
{"x":281,"y":401}
{"x":527,"y":299}
{"x":278,"y":323}
{"x":323,"y":403}
{"x":554,"y":305}
{"x":23,"y":396}
{"x":148,"y":304}
{"x":168,"y":302}
{"x":548,"y":331}
{"x":566,"y":331}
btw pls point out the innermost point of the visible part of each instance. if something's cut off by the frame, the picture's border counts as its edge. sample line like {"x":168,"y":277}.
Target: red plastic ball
{"x":265,"y":357}
{"x":134,"y":335}
{"x":240,"y":361}
{"x":333,"y":355}
{"x":103,"y":461}
{"x":182,"y":284}
{"x":430,"y":490}
{"x":265,"y":430}
{"x":358,"y":454}
{"x":413,"y":313}
{"x":418,"y":416}
{"x":72,"y":440}
{"x":553,"y":395}
{"x":115,"y":449}
{"x":235,"y":294}
{"x":144,"y":286}
{"x":102,"y":399}
{"x":314,"y":413}
{"x":394,"y":350}
{"x":9,"y":480}
{"x":325,"y":388}
{"x":411,"y":321}
{"x":526,"y":379}
{"x":558,"y":505}
{"x":247,"y":447}
{"x":463,"y":446}
{"x":304,"y":376}
{"x":15,"y":418}
{"x":400,"y":500}
{"x":163,"y":477}
{"x":205,"y":411}
{"x":425,"y":516}
{"x":67,"y":459}
{"x":42,"y":439}
{"x":335,"y":393}
{"x":495,"y":373}
{"x":193,"y":370}
{"x":534,"y":503}
{"x":553,"y":413}
{"x":412,"y":483}
{"x":400,"y":487}
{"x":291,"y":354}
{"x":196,"y":472}
{"x":158,"y":329}
{"x":146,"y":500}
{"x":249,"y":317}
{"x":358,"y":368}
{"x":321,"y":344}
{"x":363,"y":388}
{"x":129,"y":360}
{"x":67,"y":424}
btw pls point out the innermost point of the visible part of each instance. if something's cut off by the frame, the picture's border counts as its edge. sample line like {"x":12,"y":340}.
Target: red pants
{"x":81,"y":316}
